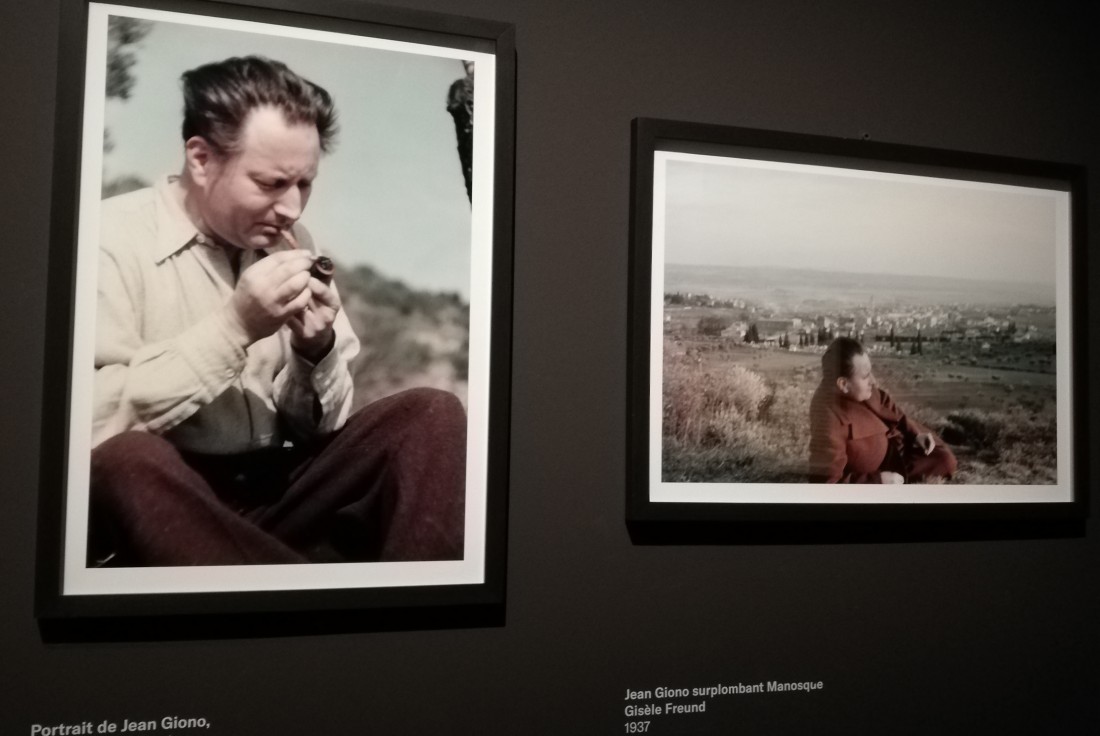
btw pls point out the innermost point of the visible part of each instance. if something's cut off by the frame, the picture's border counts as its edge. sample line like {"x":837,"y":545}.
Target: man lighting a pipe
{"x":223,"y":431}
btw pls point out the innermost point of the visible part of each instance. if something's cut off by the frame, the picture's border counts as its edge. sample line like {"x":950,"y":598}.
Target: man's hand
{"x":891,"y":478}
{"x":926,"y":442}
{"x":311,"y":333}
{"x":270,"y":292}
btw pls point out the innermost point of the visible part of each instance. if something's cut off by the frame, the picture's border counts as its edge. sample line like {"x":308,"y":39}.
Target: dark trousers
{"x":389,"y":486}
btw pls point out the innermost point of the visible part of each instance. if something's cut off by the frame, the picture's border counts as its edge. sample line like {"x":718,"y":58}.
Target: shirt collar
{"x":175,"y":231}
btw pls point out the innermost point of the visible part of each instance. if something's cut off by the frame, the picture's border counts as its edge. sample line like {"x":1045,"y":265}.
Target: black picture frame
{"x":420,"y":39}
{"x":729,"y":223}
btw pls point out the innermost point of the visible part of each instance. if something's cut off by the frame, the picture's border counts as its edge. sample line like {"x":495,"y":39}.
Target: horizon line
{"x":1052,"y":285}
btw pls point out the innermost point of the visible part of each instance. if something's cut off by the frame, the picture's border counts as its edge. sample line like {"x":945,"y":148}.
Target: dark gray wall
{"x":938,"y":637}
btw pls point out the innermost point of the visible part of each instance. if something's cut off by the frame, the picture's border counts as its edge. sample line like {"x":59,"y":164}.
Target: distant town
{"x":1013,"y":336}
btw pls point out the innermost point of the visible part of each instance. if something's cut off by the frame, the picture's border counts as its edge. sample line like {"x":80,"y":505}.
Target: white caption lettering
{"x":682,"y":701}
{"x":166,"y":726}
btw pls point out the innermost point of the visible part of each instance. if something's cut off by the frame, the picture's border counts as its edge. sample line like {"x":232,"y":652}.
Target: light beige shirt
{"x":166,"y":360}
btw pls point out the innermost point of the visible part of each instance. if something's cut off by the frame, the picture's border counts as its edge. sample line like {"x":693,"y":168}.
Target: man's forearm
{"x":159,"y":386}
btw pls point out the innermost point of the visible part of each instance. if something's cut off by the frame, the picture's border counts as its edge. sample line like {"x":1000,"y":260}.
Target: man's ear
{"x":842,"y":384}
{"x":199,"y":155}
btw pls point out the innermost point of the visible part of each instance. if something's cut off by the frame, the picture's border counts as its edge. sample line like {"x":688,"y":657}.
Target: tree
{"x":123,"y":35}
{"x":711,"y":325}
{"x":460,"y":104}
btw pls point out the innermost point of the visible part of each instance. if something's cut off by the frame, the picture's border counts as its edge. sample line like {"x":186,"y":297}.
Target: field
{"x":734,"y":412}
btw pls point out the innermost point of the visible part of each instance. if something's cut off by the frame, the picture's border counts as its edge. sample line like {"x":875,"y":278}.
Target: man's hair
{"x":839,"y":358}
{"x":218,"y":97}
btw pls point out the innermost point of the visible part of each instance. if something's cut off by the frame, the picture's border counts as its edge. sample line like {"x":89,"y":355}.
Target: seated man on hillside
{"x":223,"y":431}
{"x":859,"y":435}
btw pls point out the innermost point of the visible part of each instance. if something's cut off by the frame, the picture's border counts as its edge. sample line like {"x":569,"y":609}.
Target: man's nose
{"x":289,"y":205}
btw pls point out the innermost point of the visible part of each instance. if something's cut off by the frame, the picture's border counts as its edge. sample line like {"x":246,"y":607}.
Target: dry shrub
{"x":725,"y":423}
{"x":788,"y":418}
{"x":978,"y":429}
{"x":1009,"y":446}
{"x":747,"y":391}
{"x":710,"y":407}
{"x":929,"y":417}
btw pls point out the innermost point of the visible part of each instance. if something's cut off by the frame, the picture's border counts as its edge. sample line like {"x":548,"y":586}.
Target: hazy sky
{"x":391,"y":192}
{"x":831,"y":220}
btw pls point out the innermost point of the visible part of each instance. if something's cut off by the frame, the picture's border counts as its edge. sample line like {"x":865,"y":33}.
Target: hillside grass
{"x":732,"y":413}
{"x":408,"y":338}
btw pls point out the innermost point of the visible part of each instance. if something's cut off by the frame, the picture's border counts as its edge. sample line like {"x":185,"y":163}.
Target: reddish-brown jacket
{"x":854,"y":441}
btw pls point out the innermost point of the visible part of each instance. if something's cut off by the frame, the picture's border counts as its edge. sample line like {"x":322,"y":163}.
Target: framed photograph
{"x":277,"y":374}
{"x":845,"y":330}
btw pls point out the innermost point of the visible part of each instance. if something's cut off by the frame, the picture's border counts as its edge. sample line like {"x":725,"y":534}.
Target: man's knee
{"x":947,"y":464}
{"x":132,"y":446}
{"x":129,"y":459}
{"x":941,"y":463}
{"x":122,"y":482}
{"x":435,"y":406}
{"x":427,"y":410}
